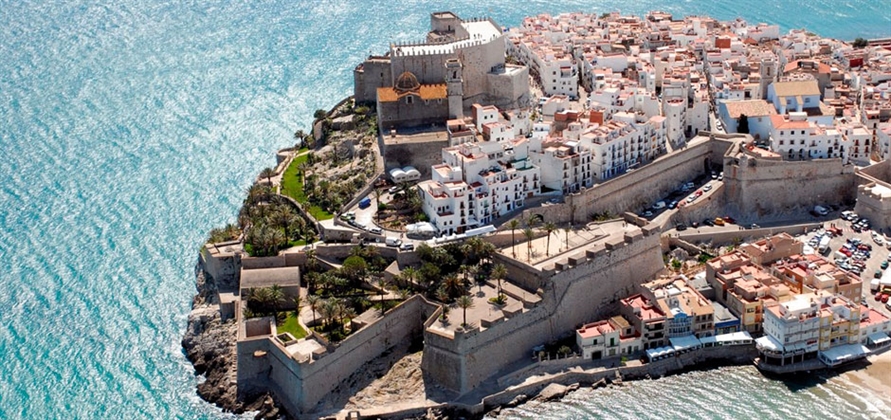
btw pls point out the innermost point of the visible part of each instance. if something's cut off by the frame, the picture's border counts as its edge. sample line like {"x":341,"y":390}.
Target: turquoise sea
{"x":129,"y":128}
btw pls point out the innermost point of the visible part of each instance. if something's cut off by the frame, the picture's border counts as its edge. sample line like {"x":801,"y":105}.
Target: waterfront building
{"x":646,"y":317}
{"x":809,"y":324}
{"x":608,"y":338}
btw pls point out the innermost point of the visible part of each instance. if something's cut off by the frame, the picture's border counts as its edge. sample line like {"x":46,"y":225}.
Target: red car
{"x":698,"y":193}
{"x":884,"y":298}
{"x":729,"y":219}
{"x":879,"y":296}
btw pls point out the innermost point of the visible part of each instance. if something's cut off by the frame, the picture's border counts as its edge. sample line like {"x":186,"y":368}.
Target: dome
{"x":407,"y":82}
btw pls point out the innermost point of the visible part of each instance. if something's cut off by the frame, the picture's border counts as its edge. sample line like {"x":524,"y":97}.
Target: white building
{"x":610,"y":338}
{"x":794,"y":137}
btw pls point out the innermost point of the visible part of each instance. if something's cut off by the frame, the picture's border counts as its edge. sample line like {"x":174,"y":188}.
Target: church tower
{"x":455,"y":87}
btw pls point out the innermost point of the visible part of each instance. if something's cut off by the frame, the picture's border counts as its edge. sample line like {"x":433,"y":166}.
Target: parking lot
{"x":870,"y":265}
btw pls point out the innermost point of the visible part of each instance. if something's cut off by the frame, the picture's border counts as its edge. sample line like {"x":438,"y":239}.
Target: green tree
{"x":742,"y":126}
{"x":411,"y":274}
{"x":354,"y":268}
{"x":261,"y":299}
{"x":860,"y":43}
{"x":465,"y":302}
{"x":320,"y":114}
{"x":453,"y":285}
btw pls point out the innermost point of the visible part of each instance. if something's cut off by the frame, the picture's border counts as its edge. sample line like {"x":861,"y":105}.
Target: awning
{"x":878,"y":338}
{"x":768,"y":343}
{"x":740,"y":337}
{"x":685,"y":342}
{"x":845,"y":353}
{"x":712,"y":339}
{"x":659,"y":352}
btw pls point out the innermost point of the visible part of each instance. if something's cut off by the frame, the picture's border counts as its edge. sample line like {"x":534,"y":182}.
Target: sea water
{"x":130,"y":128}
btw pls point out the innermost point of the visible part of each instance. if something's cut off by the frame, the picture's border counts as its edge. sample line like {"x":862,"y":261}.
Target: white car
{"x":707,"y":187}
{"x":659,"y":205}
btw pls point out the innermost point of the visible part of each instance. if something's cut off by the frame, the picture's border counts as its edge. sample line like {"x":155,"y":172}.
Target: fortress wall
{"x":587,"y":289}
{"x":374,"y":74}
{"x":649,"y":183}
{"x":225,"y":269}
{"x":508,"y":90}
{"x":252,"y":372}
{"x":249,"y":263}
{"x":758,"y":187}
{"x":518,"y":272}
{"x":400,"y":325}
{"x":478,"y":60}
{"x":571,"y":297}
{"x":719,"y":238}
{"x":429,"y":69}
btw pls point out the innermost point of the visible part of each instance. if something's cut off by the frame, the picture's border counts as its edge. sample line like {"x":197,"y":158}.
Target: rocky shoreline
{"x":209,"y":344}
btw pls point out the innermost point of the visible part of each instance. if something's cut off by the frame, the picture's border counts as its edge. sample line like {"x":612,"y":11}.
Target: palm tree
{"x":513,"y":224}
{"x":268,"y":173}
{"x":411,"y":274}
{"x":566,"y":230}
{"x":465,"y":302}
{"x":453,"y":285}
{"x":276,"y":297}
{"x":314,"y":302}
{"x":529,"y":236}
{"x":349,"y":313}
{"x":499,"y":272}
{"x":262,"y":298}
{"x":549,"y":227}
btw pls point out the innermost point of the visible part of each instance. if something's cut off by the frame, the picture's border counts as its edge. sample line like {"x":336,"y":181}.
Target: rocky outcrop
{"x":209,"y":344}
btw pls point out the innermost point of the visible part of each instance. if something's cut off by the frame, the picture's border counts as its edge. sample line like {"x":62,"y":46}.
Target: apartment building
{"x":608,"y":338}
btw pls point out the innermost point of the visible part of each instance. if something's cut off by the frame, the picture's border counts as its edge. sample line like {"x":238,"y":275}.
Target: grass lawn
{"x":292,"y":186}
{"x":292,"y":326}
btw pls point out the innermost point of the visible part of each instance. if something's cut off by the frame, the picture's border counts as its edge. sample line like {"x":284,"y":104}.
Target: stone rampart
{"x":641,"y":187}
{"x":758,"y":187}
{"x":578,"y":293}
{"x":302,"y":384}
{"x":744,"y":235}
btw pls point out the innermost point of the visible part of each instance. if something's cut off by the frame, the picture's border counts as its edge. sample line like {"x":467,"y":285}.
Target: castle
{"x":462,"y":62}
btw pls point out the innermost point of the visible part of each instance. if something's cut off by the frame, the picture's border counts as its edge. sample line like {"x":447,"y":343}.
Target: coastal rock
{"x":519,"y":399}
{"x":551,"y":392}
{"x":209,"y":344}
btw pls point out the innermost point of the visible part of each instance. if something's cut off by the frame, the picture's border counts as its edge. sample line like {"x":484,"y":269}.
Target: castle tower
{"x":455,"y":87}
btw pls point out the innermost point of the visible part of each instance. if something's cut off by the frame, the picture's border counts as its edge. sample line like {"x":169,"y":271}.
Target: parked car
{"x":647,"y":213}
{"x":659,"y":205}
{"x":719,"y":221}
{"x":407,"y":246}
{"x":375,"y":230}
{"x":681,"y":226}
{"x":707,"y":187}
{"x":884,"y":265}
{"x":730,"y":220}
{"x":708,"y":222}
{"x":694,"y":225}
{"x":673,"y":204}
{"x":714,"y":175}
{"x":393,"y":190}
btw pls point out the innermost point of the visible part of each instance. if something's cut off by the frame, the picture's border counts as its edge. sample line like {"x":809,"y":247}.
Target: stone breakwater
{"x":209,"y":344}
